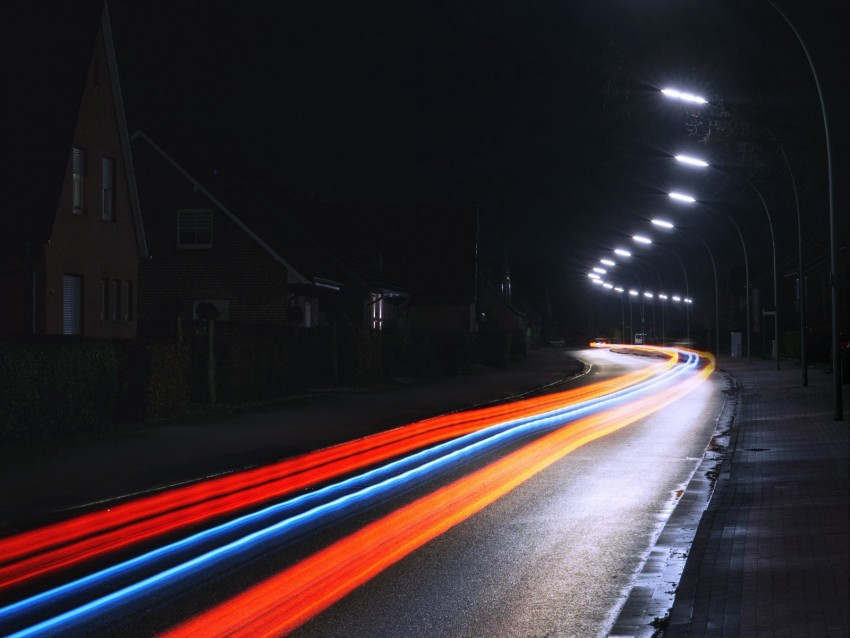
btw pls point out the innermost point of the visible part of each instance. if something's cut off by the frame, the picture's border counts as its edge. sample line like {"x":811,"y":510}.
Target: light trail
{"x":439,"y":456}
{"x":290,"y":598}
{"x":31,"y":554}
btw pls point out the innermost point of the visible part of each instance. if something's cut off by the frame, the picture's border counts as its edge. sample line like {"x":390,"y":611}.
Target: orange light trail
{"x":44,"y":550}
{"x":289,"y":599}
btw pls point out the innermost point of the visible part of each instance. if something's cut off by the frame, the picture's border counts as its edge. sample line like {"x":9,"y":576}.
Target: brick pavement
{"x":771,"y":553}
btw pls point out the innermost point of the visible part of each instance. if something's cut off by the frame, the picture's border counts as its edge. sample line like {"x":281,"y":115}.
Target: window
{"x":108,"y":193}
{"x":114,"y":300}
{"x":72,"y":294}
{"x":127,"y":304}
{"x":78,"y":176}
{"x":194,"y":228}
{"x":377,"y":311}
{"x":104,"y":299}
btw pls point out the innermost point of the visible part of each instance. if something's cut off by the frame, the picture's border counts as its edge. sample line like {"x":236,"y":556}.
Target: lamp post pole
{"x":692,"y":161}
{"x":838,"y":401}
{"x":775,"y":275}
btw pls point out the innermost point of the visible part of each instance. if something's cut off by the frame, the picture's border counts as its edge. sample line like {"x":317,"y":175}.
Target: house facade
{"x":203,"y":250}
{"x":75,"y":272}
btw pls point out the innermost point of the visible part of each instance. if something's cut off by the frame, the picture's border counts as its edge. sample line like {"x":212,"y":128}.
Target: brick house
{"x":431,"y":247}
{"x":214,"y":239}
{"x":69,"y":266}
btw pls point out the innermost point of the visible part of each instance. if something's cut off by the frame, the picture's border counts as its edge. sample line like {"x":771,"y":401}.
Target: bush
{"x":359,"y":357}
{"x":412,"y":348}
{"x":54,"y":388}
{"x":156,"y":380}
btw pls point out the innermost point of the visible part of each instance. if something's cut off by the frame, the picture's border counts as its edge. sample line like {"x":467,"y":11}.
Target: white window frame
{"x":188,"y":222}
{"x":377,"y":313}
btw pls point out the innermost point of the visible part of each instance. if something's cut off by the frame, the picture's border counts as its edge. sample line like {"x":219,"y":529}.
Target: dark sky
{"x":546,"y":113}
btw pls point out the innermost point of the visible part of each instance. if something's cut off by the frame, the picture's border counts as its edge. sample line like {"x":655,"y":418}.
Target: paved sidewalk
{"x":771,"y":556}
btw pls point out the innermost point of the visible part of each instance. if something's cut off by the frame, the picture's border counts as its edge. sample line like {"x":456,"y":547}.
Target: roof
{"x":264,"y":221}
{"x":48,"y":48}
{"x":430,"y":247}
{"x":52,"y":44}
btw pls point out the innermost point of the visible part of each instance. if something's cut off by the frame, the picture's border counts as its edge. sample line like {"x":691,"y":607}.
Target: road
{"x":525,"y":520}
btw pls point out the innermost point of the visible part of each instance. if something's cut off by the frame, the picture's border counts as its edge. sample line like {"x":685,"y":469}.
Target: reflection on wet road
{"x":143,"y":549}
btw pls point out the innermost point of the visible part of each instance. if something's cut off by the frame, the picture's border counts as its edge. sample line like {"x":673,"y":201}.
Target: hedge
{"x":55,"y":388}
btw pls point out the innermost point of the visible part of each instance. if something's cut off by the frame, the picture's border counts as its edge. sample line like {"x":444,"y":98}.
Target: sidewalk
{"x":771,"y":556}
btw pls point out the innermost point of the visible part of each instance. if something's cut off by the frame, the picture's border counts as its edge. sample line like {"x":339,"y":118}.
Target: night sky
{"x":545,"y":113}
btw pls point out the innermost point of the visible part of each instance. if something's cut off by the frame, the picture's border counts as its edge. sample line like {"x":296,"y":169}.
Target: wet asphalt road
{"x":554,"y":557}
{"x":557,"y":555}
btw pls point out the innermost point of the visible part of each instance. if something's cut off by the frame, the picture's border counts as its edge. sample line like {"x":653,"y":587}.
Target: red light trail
{"x":31,"y":554}
{"x":290,"y":598}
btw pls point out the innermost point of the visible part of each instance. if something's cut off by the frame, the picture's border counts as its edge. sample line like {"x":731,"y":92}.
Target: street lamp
{"x":668,"y":225}
{"x":837,"y":392}
{"x":646,"y":240}
{"x":836,"y":369}
{"x":691,"y":161}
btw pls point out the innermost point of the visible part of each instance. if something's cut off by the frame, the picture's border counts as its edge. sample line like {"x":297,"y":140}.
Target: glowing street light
{"x":607,"y":262}
{"x":601,"y":271}
{"x":683,"y":96}
{"x":693,"y":161}
{"x":641,"y":239}
{"x":622,"y":252}
{"x":663,"y":223}
{"x":682,"y":197}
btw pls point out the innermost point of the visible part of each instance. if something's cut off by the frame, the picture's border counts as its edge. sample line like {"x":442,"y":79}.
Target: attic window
{"x":194,"y":228}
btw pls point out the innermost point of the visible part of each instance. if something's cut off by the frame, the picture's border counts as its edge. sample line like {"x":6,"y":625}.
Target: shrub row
{"x":55,"y":387}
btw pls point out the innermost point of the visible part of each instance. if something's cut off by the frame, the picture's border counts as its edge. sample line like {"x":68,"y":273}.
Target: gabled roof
{"x":47,"y":48}
{"x":219,"y":200}
{"x":430,"y":247}
{"x":306,"y":259}
{"x":52,"y":44}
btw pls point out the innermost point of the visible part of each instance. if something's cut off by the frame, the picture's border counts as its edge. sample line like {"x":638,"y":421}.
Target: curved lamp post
{"x":838,"y":407}
{"x":646,"y":240}
{"x":837,"y":393}
{"x":693,"y":161}
{"x":665,"y":224}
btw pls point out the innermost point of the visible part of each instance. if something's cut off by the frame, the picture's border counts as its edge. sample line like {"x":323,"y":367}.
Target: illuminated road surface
{"x":526,"y":519}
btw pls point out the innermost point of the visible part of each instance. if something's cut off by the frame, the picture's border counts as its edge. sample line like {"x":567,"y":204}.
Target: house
{"x":431,"y":247}
{"x":69,"y":257}
{"x":213,"y":238}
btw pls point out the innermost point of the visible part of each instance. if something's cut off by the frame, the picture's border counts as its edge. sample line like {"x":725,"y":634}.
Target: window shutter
{"x":107,"y":177}
{"x":79,"y":162}
{"x":78,"y":177}
{"x":71,"y":293}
